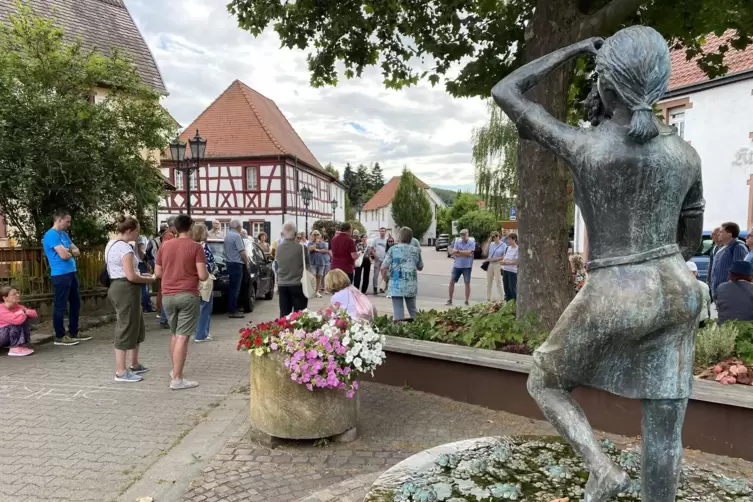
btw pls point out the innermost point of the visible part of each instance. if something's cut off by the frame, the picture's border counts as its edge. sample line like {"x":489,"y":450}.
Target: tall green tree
{"x":479,"y":223}
{"x":411,"y":206}
{"x":60,"y":150}
{"x":495,"y":159}
{"x":376,"y":177}
{"x":363,"y":183}
{"x":465,"y":203}
{"x":332,"y":170}
{"x":483,"y":42}
{"x":351,"y":183}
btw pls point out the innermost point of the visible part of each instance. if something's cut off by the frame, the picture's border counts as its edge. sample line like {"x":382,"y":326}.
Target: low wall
{"x":91,"y":301}
{"x":718,"y":420}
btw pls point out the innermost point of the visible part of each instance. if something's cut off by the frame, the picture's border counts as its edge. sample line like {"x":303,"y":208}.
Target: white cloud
{"x":200,"y":51}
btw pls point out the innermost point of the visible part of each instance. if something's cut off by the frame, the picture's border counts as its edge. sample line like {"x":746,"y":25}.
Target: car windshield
{"x":218,"y":250}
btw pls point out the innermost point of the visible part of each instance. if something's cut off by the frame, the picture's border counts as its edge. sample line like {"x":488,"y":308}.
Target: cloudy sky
{"x":200,"y":50}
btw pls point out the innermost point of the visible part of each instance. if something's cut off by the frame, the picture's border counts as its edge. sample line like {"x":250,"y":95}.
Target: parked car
{"x":701,"y":257}
{"x":442,"y":242}
{"x":262,"y":284}
{"x":477,"y":252}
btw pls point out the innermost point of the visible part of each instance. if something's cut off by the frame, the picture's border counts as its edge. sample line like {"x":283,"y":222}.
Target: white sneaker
{"x":183,"y":384}
{"x":207,"y":339}
{"x":318,"y":295}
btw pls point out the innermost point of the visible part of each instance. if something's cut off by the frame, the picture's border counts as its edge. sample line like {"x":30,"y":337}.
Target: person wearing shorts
{"x":317,"y":248}
{"x":462,"y":251}
{"x":124,"y":293}
{"x":181,"y":264}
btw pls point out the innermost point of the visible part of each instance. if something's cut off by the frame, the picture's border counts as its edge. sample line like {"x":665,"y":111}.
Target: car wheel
{"x":271,"y":293}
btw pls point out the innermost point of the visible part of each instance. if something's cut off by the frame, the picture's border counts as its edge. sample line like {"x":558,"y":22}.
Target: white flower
{"x":346,"y":340}
{"x":259,"y":351}
{"x":357,"y":362}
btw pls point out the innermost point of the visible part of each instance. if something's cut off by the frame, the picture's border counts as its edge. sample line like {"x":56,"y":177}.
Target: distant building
{"x":255,"y":167}
{"x":714,"y":116}
{"x":377,"y":212}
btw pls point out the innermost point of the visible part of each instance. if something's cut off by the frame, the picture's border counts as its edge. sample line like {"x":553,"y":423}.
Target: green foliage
{"x":350,"y":211}
{"x":715,"y":343}
{"x":376,"y":178}
{"x":411,"y":206}
{"x":444,"y":221}
{"x":464,"y":203}
{"x":447,"y":196}
{"x":488,"y":325}
{"x":325,"y":227}
{"x":479,"y":223}
{"x":484,"y":40}
{"x":332,"y":170}
{"x":59,"y":150}
{"x":495,"y":157}
{"x":357,"y":225}
{"x":744,"y":339}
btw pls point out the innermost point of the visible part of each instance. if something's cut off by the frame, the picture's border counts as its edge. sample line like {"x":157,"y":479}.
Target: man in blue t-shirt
{"x":61,"y":254}
{"x":462,"y":251}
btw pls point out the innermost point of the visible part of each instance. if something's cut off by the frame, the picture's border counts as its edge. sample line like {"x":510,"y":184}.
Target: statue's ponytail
{"x":643,"y":126}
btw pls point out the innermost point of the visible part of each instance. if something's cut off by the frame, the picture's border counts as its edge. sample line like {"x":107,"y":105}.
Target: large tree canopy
{"x":60,"y":150}
{"x":486,"y":39}
{"x":471,"y":45}
{"x":411,"y":206}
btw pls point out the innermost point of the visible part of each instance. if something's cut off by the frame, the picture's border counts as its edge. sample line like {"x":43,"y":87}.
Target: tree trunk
{"x":545,"y":285}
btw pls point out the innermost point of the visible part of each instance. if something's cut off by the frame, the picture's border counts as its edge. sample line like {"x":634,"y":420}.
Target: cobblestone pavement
{"x":394,"y":424}
{"x":70,"y":433}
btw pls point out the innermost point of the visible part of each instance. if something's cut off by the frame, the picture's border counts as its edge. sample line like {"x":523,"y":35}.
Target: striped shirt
{"x":734,"y":251}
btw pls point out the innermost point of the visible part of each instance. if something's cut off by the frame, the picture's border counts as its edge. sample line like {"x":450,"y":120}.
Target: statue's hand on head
{"x":591,"y":45}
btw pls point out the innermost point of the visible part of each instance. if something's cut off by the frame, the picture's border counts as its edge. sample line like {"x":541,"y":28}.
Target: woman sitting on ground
{"x":348,"y":297}
{"x":15,"y":323}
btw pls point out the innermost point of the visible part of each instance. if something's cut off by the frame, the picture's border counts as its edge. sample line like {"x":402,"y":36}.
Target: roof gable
{"x":102,"y":25}
{"x":243,"y":123}
{"x":385,"y":195}
{"x":686,"y":73}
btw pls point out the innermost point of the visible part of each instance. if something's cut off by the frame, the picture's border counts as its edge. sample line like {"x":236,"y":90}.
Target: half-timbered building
{"x":254,"y":169}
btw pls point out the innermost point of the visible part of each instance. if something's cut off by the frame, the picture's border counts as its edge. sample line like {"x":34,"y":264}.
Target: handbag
{"x":104,"y":274}
{"x":308,"y":280}
{"x":206,"y":287}
{"x":485,"y":266}
{"x":359,"y":260}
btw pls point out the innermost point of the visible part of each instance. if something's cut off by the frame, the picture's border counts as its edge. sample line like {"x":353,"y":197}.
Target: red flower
{"x":247,"y":344}
{"x":258,"y":341}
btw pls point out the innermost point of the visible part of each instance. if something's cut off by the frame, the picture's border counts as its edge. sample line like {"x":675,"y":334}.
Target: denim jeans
{"x":398,"y":313}
{"x":202,"y":330}
{"x":510,"y":282}
{"x":66,"y":295}
{"x":146,"y":298}
{"x":235,"y":271}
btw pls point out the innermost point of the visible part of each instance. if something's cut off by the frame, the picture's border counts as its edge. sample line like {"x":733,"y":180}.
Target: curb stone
{"x":86,"y":324}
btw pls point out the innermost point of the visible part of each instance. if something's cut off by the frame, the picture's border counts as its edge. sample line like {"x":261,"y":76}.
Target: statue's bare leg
{"x":662,"y":448}
{"x":606,"y":479}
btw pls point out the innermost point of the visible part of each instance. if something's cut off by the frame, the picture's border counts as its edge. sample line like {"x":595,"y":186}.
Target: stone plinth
{"x":529,"y":469}
{"x":282,"y":408}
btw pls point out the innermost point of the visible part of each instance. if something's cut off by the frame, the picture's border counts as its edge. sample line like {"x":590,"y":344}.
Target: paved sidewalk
{"x":394,"y":424}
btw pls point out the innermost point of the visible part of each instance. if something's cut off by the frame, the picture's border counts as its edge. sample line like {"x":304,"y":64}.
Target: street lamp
{"x":334,"y":208}
{"x":359,"y":208}
{"x":198,"y":147}
{"x":306,"y":194}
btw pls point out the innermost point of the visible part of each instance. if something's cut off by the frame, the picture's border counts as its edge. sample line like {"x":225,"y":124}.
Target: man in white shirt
{"x":378,"y":251}
{"x":216,"y":232}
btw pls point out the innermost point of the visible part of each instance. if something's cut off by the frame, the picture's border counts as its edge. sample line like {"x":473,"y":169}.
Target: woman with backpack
{"x":348,"y":297}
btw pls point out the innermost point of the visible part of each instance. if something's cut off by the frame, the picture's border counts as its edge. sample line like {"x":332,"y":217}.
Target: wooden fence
{"x":28,"y":270}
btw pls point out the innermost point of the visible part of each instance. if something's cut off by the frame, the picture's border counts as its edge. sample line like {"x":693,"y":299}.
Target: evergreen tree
{"x":332,"y":170}
{"x":411,"y":206}
{"x":349,"y":180}
{"x":363,"y":183}
{"x":376,"y":178}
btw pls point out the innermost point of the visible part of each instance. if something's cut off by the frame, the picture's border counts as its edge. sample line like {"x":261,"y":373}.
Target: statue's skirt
{"x":629,"y":331}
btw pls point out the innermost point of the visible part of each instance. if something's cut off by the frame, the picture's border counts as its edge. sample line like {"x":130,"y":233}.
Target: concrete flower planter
{"x":282,"y":408}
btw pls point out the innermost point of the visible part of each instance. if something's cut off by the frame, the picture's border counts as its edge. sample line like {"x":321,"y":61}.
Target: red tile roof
{"x":385,"y":195}
{"x":686,"y":72}
{"x":243,"y":123}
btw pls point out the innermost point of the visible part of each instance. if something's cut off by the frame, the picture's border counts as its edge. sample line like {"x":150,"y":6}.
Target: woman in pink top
{"x":15,"y":323}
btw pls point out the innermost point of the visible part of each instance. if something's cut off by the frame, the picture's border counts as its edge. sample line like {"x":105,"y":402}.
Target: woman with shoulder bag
{"x":496,"y":250}
{"x":124,"y":293}
{"x":200,"y":234}
{"x":401,"y":265}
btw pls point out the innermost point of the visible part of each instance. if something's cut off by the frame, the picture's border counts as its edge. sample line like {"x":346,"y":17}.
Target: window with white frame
{"x":225,"y":226}
{"x":252,"y":178}
{"x":194,"y":180}
{"x":677,"y":119}
{"x":178,"y":176}
{"x":257,"y":227}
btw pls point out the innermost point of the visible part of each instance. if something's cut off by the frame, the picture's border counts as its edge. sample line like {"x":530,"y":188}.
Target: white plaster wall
{"x":717,"y":126}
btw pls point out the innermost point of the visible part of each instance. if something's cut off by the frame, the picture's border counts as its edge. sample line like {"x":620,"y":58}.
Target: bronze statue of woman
{"x":631,"y":329}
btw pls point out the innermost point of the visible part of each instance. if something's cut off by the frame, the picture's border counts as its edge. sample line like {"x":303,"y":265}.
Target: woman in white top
{"x":496,"y":253}
{"x":125,"y":295}
{"x":510,"y":267}
{"x":348,"y":297}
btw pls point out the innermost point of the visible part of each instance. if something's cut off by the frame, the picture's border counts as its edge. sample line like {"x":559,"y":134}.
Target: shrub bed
{"x":490,"y":325}
{"x":725,"y":353}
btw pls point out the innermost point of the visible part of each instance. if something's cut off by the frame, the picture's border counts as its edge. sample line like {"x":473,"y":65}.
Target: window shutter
{"x":268,"y":230}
